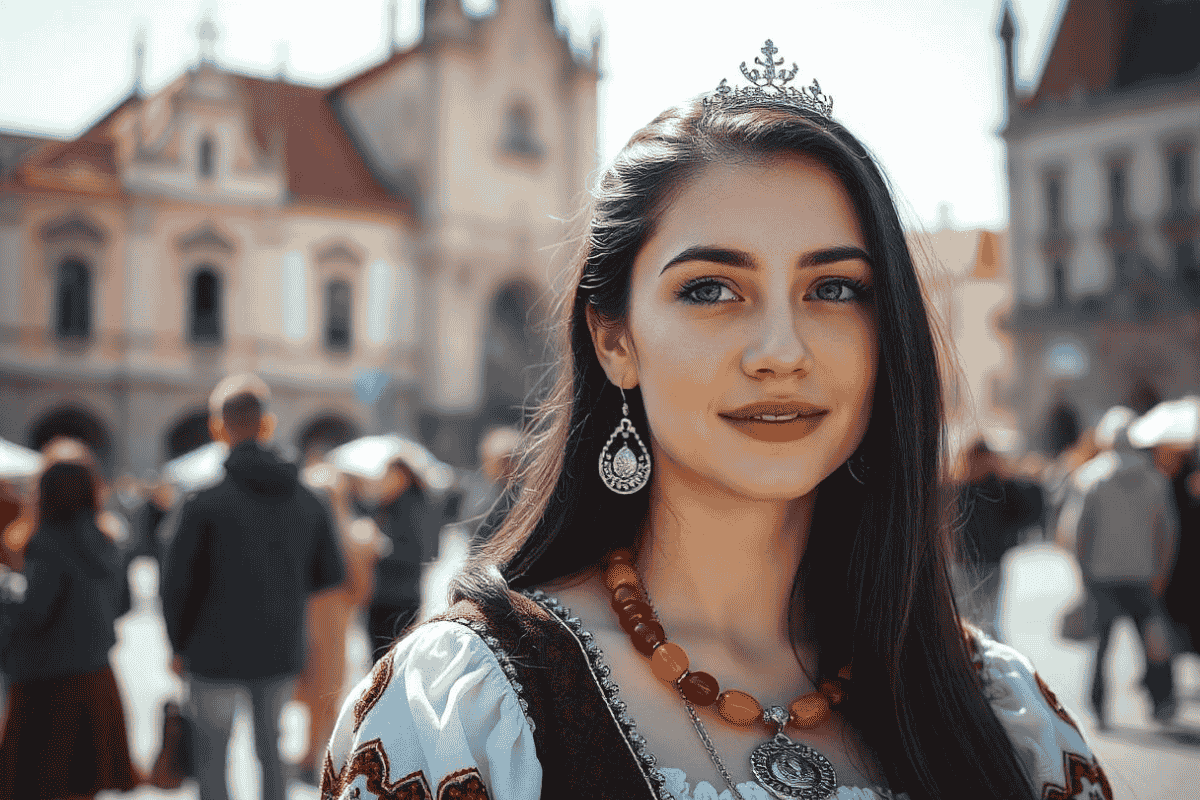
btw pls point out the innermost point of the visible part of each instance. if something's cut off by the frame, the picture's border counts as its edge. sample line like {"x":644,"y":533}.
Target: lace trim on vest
{"x":601,"y":672}
{"x":480,"y":629}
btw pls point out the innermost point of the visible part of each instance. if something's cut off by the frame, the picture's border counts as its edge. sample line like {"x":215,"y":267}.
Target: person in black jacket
{"x":995,"y":506}
{"x":410,"y":514}
{"x":242,"y":559}
{"x":65,"y":735}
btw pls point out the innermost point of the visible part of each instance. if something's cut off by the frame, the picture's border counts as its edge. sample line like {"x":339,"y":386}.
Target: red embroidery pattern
{"x":370,"y":761}
{"x":329,"y":778}
{"x":466,"y":784}
{"x":381,"y":676}
{"x":1058,"y":707}
{"x":1077,"y":768}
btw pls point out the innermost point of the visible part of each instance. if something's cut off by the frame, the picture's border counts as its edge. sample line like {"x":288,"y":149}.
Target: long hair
{"x":69,"y":497}
{"x":877,"y":562}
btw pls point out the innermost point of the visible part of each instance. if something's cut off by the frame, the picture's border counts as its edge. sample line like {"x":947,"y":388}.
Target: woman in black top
{"x":65,"y":736}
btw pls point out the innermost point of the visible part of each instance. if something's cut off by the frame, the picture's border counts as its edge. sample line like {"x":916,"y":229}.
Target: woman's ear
{"x":614,"y":350}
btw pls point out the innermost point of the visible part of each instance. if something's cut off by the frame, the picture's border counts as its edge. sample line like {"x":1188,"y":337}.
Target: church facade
{"x":381,"y":251}
{"x":1104,"y":210}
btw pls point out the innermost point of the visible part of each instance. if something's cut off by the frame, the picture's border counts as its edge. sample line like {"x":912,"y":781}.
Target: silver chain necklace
{"x":787,"y":769}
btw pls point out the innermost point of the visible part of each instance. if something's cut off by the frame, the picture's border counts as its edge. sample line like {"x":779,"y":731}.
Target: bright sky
{"x":920,"y":83}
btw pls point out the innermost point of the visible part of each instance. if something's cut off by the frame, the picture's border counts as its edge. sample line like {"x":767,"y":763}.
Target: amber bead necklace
{"x":785,"y":768}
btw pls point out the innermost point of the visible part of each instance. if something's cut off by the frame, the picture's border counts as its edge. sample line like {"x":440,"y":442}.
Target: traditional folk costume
{"x":479,"y":704}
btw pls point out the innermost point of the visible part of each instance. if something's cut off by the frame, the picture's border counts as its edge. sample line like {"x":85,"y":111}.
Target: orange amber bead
{"x":632,"y":613}
{"x":620,"y":575}
{"x":621,"y":555}
{"x":844,"y":673}
{"x":669,"y":662}
{"x":646,"y":636}
{"x":809,"y":711}
{"x":738,"y":707}
{"x":624,"y":594}
{"x":699,"y":688}
{"x":832,"y":692}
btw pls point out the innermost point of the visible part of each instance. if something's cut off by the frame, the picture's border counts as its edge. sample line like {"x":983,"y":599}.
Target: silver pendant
{"x":790,"y":770}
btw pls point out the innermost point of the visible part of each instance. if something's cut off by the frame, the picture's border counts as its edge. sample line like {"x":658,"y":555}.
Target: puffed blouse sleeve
{"x":1046,"y":737}
{"x":436,"y":718}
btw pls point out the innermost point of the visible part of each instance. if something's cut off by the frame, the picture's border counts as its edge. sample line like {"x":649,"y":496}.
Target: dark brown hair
{"x":878,"y":555}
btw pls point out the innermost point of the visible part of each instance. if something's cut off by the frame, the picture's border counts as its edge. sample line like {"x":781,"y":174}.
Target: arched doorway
{"x":77,"y":424}
{"x":323,"y":434}
{"x":188,"y":434}
{"x":513,"y":349}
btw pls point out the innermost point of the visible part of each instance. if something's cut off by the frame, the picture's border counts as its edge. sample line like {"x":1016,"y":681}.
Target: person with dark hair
{"x":242,"y":559}
{"x":730,"y":525}
{"x":994,"y":507}
{"x":65,"y":735}
{"x":410,"y":516}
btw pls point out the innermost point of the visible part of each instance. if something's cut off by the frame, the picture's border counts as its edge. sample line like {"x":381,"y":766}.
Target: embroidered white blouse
{"x":440,"y":713}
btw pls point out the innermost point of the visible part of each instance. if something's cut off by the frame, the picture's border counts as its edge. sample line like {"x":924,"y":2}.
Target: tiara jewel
{"x":769,"y":86}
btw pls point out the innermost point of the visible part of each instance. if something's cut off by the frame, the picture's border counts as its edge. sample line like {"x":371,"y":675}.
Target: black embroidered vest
{"x":587,"y":745}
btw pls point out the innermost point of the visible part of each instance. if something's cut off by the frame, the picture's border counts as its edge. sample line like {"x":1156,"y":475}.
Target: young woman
{"x":65,"y":736}
{"x":756,"y":571}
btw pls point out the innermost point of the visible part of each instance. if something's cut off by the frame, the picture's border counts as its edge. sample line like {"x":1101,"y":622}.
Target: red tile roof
{"x":322,"y":162}
{"x":1110,"y":45}
{"x":1087,"y":49}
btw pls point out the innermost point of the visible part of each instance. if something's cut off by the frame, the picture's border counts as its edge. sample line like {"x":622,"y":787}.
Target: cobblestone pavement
{"x":1143,"y":761}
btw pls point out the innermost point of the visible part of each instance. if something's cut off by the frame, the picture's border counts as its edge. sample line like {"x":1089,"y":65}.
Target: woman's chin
{"x":767,"y":487}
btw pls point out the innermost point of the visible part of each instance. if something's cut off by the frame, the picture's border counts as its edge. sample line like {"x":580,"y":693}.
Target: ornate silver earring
{"x":624,"y":472}
{"x":857,"y":467}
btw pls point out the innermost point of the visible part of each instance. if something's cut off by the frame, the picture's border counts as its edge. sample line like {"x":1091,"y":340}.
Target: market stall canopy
{"x":199,"y":469}
{"x":17,"y":461}
{"x":1174,"y":422}
{"x":369,"y":456}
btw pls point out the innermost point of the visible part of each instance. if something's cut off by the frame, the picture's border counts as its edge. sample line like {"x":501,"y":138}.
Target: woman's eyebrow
{"x":733,"y":257}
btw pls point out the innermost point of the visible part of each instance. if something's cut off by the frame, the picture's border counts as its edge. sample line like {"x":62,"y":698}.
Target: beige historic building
{"x":393,"y":234}
{"x":1105,"y":215}
{"x":967,"y":284}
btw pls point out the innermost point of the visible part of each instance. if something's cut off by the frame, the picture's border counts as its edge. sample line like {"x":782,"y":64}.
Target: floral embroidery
{"x":371,"y":761}
{"x":381,"y":676}
{"x":1059,"y":708}
{"x":1077,"y":768}
{"x":466,"y":784}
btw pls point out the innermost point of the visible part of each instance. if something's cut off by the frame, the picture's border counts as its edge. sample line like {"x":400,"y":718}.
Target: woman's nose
{"x":778,"y":348}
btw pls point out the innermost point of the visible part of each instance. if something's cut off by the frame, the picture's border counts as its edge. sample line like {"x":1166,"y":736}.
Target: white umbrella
{"x":17,"y":461}
{"x":1174,"y":422}
{"x":369,"y":456}
{"x":199,"y":469}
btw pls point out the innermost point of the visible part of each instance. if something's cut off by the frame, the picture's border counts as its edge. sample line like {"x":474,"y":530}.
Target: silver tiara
{"x":769,"y":87}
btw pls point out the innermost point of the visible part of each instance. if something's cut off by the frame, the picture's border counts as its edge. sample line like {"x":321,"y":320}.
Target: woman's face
{"x":751,"y":330}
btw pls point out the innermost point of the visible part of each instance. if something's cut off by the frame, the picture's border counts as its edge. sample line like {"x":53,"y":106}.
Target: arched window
{"x":74,"y":298}
{"x":337,"y":315}
{"x":205,"y":161}
{"x":519,"y":136}
{"x":206,"y":306}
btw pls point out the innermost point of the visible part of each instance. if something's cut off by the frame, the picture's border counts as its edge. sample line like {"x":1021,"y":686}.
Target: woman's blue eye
{"x":705,"y":291}
{"x":842,"y":290}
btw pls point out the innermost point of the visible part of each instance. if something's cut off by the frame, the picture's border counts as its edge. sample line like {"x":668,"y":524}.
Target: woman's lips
{"x":788,"y":431}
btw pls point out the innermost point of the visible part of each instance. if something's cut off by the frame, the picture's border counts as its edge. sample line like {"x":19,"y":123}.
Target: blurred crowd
{"x":264,"y":567}
{"x":1124,"y":501}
